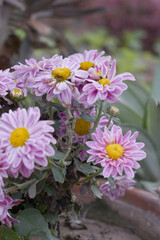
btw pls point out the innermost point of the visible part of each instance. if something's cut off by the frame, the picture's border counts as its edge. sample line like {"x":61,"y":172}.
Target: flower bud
{"x":113,"y":111}
{"x":17,"y":94}
{"x":62,"y":163}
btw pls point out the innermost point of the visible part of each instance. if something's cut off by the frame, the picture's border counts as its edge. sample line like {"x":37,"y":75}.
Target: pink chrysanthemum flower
{"x":48,"y":63}
{"x":102,"y":83}
{"x":25,"y":140}
{"x":56,"y":82}
{"x":88,"y":59}
{"x":23,"y":72}
{"x":1,"y":194}
{"x":4,"y":165}
{"x":121,"y":184}
{"x":6,"y":204}
{"x":116,"y":153}
{"x":81,"y":129}
{"x":5,"y":82}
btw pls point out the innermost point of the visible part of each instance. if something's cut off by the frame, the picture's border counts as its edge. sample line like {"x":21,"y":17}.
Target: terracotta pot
{"x":138,"y":210}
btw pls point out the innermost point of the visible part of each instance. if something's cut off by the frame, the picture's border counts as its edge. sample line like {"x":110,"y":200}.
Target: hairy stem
{"x":80,"y":148}
{"x":110,"y":118}
{"x":89,"y":177}
{"x":69,"y":133}
{"x":98,"y":117}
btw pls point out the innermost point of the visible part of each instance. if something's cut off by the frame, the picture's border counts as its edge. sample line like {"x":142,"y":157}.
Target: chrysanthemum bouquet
{"x":56,"y":130}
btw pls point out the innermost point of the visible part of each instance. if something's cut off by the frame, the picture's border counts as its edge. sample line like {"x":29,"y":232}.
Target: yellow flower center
{"x":86,"y":65}
{"x":61,"y":73}
{"x":114,"y":151}
{"x":99,"y":73}
{"x":104,"y":81}
{"x":17,"y":91}
{"x":82,"y":127}
{"x":114,"y":108}
{"x":18,"y":137}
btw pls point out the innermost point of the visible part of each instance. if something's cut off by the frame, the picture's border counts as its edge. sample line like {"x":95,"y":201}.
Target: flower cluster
{"x":118,"y":188}
{"x":6,"y":204}
{"x":80,"y":84}
{"x":116,"y":153}
{"x":24,"y":145}
{"x":84,"y":76}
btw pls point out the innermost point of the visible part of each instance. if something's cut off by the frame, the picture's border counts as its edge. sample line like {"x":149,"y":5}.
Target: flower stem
{"x":89,"y":177}
{"x":25,"y":185}
{"x":69,"y":133}
{"x":110,"y":118}
{"x":50,"y":113}
{"x":20,"y":186}
{"x":98,"y":117}
{"x":76,"y":152}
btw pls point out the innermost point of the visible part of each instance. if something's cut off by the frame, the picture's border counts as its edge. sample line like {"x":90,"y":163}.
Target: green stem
{"x":98,"y":117}
{"x":20,"y":104}
{"x":110,"y":118}
{"x":43,"y":168}
{"x":69,"y":133}
{"x":68,"y":113}
{"x":20,"y":186}
{"x":24,"y":185}
{"x":50,"y":113}
{"x":76,"y":152}
{"x":89,"y":177}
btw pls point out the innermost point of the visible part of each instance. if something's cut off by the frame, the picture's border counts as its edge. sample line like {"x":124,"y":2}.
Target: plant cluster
{"x":55,"y":128}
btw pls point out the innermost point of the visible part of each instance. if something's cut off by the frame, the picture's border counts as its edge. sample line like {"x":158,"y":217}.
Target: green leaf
{"x":150,"y":164}
{"x":132,"y":105}
{"x":111,"y":181}
{"x":152,"y":122}
{"x":87,"y":169}
{"x":128,"y":115}
{"x":150,"y":185}
{"x":135,"y":97}
{"x":58,"y":173}
{"x":50,"y":190}
{"x":8,"y":234}
{"x":25,"y":184}
{"x":40,"y":185}
{"x":96,"y":191}
{"x":58,"y":155}
{"x":32,"y":223}
{"x":156,"y":84}
{"x":87,"y":117}
{"x":51,"y":218}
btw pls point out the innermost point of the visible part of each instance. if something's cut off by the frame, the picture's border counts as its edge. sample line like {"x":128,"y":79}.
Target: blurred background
{"x":128,"y":30}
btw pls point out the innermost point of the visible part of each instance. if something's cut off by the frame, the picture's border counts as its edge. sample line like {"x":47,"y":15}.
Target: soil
{"x":103,"y":221}
{"x":115,"y":220}
{"x":96,"y":230}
